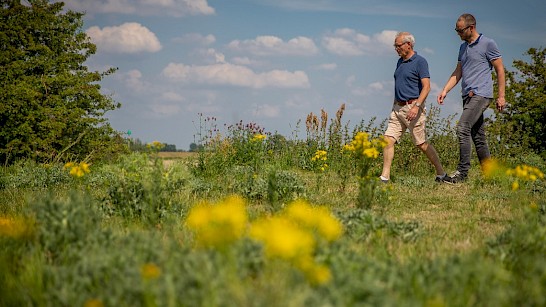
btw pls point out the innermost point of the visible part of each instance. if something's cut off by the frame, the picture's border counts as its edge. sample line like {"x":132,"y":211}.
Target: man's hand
{"x":412,"y":113}
{"x":501,"y":103}
{"x":441,"y":97}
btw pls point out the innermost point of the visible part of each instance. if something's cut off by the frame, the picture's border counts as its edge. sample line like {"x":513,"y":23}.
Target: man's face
{"x":464,"y":31}
{"x":401,"y":47}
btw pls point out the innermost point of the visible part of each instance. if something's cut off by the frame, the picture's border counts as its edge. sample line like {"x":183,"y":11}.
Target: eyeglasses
{"x":399,"y":45}
{"x":463,"y":29}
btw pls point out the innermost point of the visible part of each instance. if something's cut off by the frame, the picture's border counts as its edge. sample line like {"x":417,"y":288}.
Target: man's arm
{"x":501,"y":81}
{"x":451,"y":82}
{"x":412,"y":113}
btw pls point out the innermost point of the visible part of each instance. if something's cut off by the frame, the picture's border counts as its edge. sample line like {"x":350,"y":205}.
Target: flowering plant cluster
{"x":524,"y":173}
{"x":319,"y":159}
{"x":218,"y":225}
{"x":292,"y":235}
{"x":77,"y":170}
{"x":365,"y":151}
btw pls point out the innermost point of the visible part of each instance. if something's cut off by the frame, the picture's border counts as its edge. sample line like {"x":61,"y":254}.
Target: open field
{"x":130,"y":233}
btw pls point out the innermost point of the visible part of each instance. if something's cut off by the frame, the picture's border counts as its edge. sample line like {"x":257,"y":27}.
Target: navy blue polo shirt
{"x":407,"y":77}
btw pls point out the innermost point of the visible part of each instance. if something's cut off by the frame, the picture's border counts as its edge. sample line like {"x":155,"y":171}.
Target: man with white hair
{"x":411,"y":88}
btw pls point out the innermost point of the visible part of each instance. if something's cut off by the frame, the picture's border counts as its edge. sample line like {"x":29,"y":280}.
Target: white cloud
{"x":383,"y":88}
{"x":177,"y":8}
{"x":327,"y":66}
{"x":165,"y":110}
{"x":172,"y":96}
{"x":129,"y":37}
{"x":229,"y":74}
{"x":132,"y":79}
{"x":272,"y":45}
{"x":348,"y":42}
{"x":428,"y":50}
{"x":266,"y":110}
{"x":196,"y":38}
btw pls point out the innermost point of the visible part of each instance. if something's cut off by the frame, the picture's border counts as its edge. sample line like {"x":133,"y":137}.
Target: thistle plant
{"x":365,"y":151}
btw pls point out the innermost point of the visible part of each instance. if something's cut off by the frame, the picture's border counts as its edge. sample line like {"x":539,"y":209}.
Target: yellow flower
{"x":318,"y":274}
{"x":282,"y":238}
{"x":515,"y":185}
{"x":318,"y":218}
{"x":491,"y":168}
{"x":15,"y":227}
{"x":363,"y":147}
{"x":258,"y":137}
{"x":217,"y":225}
{"x":93,"y":303}
{"x":150,"y":271}
{"x":371,"y":152}
{"x":77,"y":170}
{"x":320,"y":155}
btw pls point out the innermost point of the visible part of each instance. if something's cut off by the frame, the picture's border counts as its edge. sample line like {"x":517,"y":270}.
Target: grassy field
{"x":251,"y":222}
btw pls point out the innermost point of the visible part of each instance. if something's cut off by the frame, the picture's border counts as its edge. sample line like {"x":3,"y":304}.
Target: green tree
{"x":523,"y":124}
{"x":51,"y":105}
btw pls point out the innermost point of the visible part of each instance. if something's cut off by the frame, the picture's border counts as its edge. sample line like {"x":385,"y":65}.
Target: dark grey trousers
{"x":471,"y":128}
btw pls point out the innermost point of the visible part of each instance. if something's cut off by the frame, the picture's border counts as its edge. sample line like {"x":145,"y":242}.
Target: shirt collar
{"x":476,"y":41}
{"x":412,"y":57}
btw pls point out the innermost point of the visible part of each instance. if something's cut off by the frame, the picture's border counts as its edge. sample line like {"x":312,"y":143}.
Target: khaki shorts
{"x":398,"y":124}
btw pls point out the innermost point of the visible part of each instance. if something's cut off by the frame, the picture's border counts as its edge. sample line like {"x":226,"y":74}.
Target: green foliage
{"x":52,"y":107}
{"x":139,"y":188}
{"x":523,"y":124}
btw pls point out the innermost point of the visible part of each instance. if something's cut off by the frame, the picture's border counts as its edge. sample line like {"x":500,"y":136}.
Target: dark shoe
{"x":440,"y":178}
{"x":457,"y":177}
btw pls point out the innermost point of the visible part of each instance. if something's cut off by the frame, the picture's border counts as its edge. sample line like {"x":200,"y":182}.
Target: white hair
{"x":407,"y":38}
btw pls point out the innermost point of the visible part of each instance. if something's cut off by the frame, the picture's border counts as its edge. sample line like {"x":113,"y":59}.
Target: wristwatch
{"x":418,"y":104}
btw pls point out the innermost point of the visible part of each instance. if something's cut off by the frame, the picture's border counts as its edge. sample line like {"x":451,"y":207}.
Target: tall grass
{"x":141,"y":232}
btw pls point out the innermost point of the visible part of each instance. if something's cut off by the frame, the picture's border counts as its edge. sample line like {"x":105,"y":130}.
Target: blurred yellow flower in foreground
{"x":150,"y":271}
{"x":292,"y":235}
{"x":317,"y":218}
{"x":282,"y":238}
{"x":491,"y":168}
{"x":220,"y":224}
{"x":15,"y":227}
{"x":77,"y":170}
{"x":93,"y":303}
{"x":526,"y":172}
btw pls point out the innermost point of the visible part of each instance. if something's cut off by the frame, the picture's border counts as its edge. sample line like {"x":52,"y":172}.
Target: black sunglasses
{"x":463,"y":29}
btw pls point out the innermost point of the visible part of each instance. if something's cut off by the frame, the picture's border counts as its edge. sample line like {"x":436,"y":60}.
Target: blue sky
{"x":272,"y":62}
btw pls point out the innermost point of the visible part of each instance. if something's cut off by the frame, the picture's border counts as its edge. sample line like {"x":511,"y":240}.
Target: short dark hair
{"x":468,"y":19}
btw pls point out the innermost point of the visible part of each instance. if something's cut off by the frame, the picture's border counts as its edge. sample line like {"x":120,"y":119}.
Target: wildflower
{"x":217,"y":225}
{"x":320,"y":155}
{"x":491,"y":168}
{"x":317,"y":218}
{"x":363,"y":147}
{"x":515,"y":185}
{"x":533,"y":206}
{"x":155,"y":145}
{"x":150,"y":271}
{"x":77,"y":170}
{"x":93,"y":303}
{"x":14,"y":227}
{"x":371,"y":152}
{"x":282,"y":238}
{"x":258,"y":137}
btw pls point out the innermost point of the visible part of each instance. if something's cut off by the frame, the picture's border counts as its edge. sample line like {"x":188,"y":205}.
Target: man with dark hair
{"x":477,"y":56}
